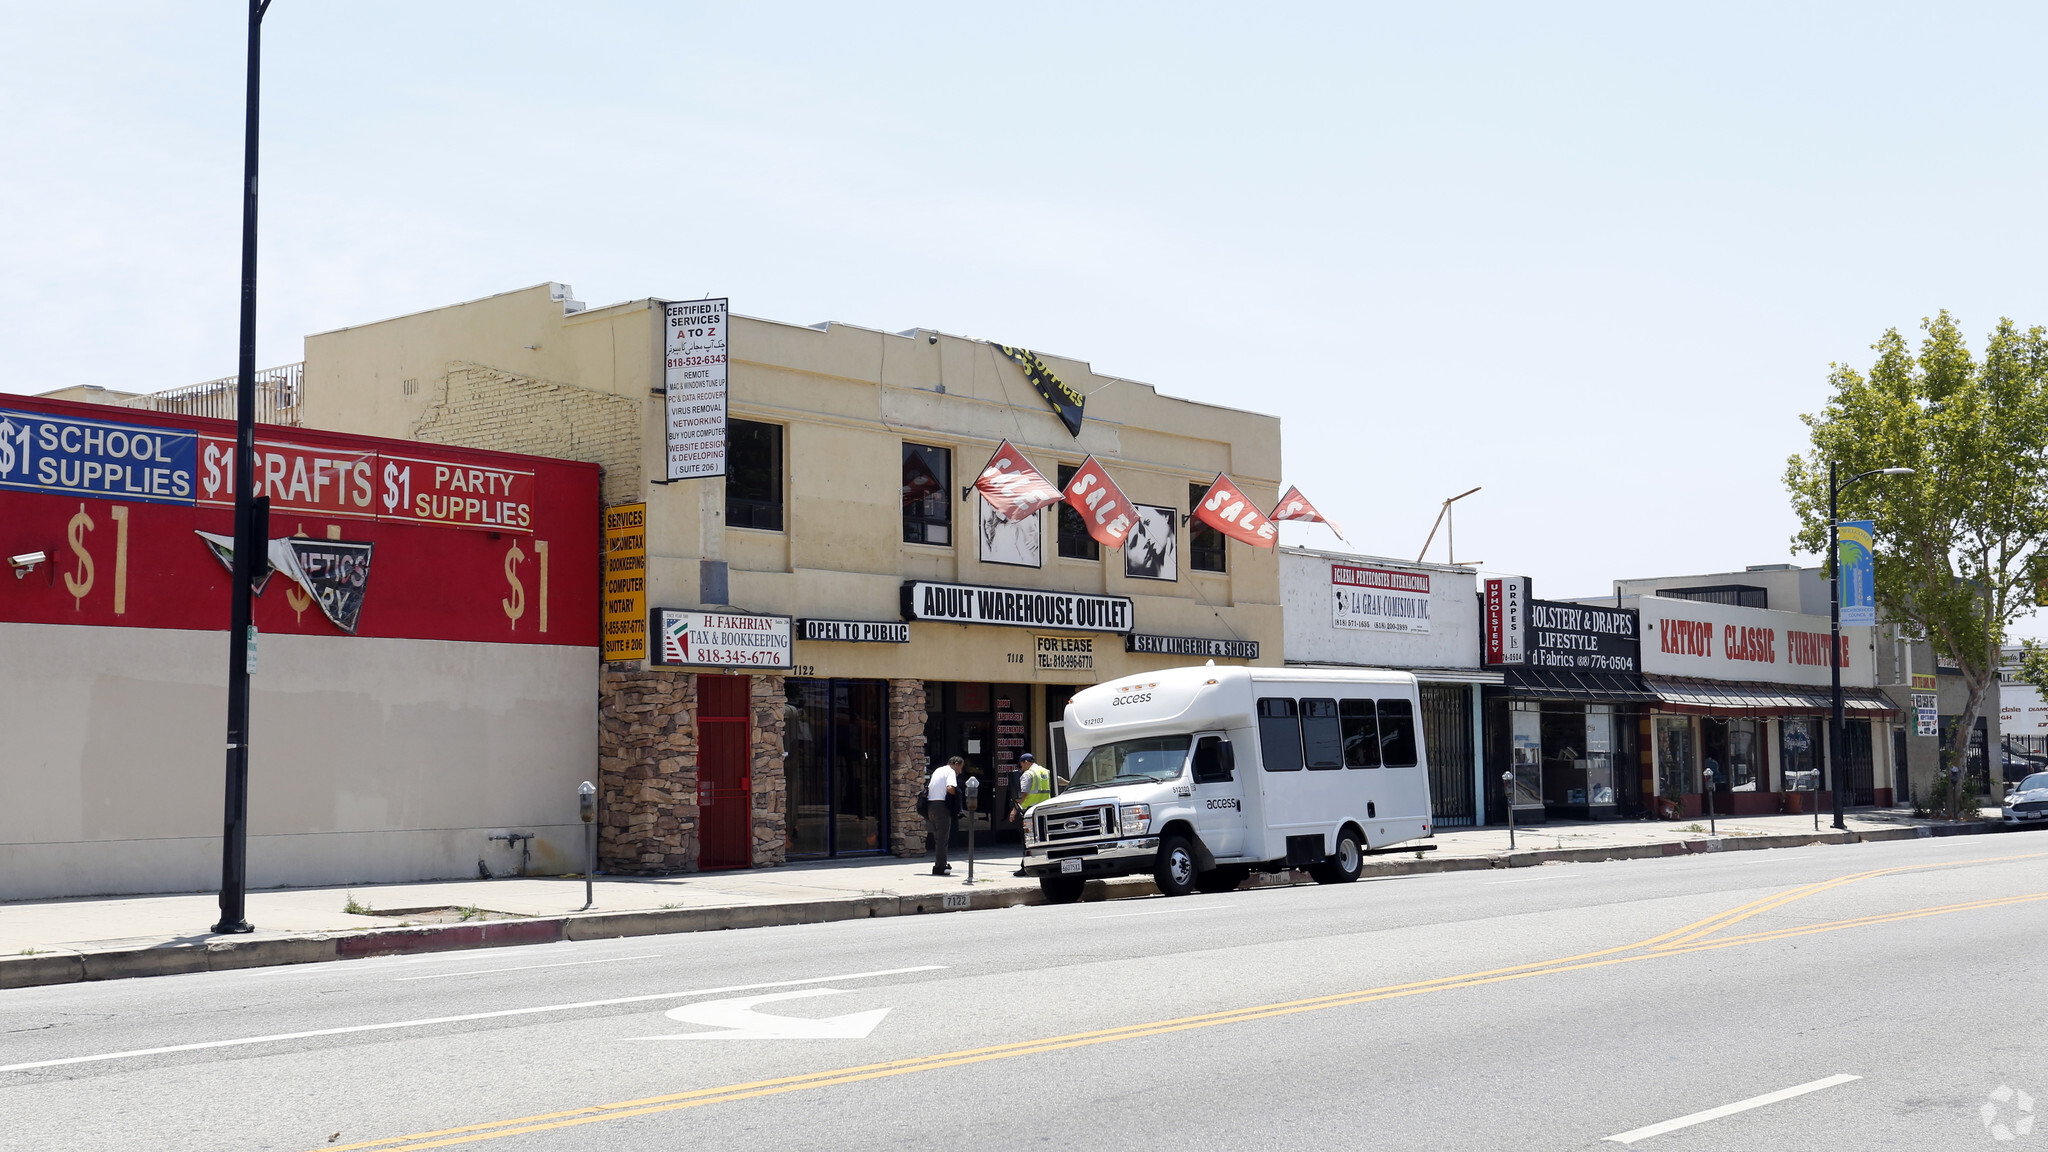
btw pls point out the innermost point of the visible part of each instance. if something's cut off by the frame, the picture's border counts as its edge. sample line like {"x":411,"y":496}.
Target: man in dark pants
{"x":941,"y":805}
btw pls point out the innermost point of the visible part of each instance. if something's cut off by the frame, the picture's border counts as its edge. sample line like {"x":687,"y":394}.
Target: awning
{"x":1560,"y":684}
{"x":1744,"y":698}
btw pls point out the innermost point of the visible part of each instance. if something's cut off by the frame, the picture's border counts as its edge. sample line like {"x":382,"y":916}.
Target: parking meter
{"x":586,"y":806}
{"x":1709,"y":774}
{"x":973,"y":793}
{"x":1507,"y":784}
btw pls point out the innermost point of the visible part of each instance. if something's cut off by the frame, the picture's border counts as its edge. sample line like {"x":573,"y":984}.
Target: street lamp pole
{"x":1834,"y":757}
{"x":251,"y":528}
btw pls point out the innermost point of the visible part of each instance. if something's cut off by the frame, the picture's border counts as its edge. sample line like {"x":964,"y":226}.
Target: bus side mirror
{"x":1226,"y":759}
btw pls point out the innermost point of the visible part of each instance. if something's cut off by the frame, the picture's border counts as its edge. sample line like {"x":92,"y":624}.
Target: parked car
{"x":2020,"y":765}
{"x":2027,"y":803}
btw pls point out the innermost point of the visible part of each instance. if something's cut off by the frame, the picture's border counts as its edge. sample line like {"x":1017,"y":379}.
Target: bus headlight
{"x":1134,"y":819}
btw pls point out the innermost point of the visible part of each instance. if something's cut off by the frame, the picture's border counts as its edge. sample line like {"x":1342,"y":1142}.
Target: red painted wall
{"x":465,"y":539}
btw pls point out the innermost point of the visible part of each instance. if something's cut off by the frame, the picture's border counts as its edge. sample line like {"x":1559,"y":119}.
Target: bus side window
{"x":1322,"y":740}
{"x":1397,"y":733}
{"x":1209,"y":767}
{"x":1279,"y":734}
{"x":1361,"y":734}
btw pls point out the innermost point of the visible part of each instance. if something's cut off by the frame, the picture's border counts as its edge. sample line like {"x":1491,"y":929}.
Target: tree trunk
{"x":1966,"y":729}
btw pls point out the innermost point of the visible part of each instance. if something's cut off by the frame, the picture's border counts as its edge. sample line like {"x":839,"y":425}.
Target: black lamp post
{"x":252,"y":528}
{"x":1835,"y":628}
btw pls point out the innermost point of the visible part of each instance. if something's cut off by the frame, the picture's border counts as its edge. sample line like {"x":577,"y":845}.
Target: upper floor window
{"x":1205,"y":544}
{"x":927,"y":495}
{"x":753,"y":475}
{"x":1075,"y":542}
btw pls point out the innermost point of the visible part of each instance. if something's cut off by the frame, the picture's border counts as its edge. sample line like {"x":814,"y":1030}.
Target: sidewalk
{"x":62,"y":941}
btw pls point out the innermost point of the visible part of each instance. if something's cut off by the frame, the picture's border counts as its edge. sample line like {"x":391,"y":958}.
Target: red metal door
{"x":725,"y":825}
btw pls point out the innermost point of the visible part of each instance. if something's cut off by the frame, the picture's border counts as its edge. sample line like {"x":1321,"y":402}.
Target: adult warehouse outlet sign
{"x":1018,"y":607}
{"x":693,"y":359}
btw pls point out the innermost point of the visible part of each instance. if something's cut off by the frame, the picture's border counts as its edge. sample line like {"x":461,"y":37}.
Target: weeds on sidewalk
{"x":1695,"y":827}
{"x":31,"y":951}
{"x":470,"y":913}
{"x":356,"y":907}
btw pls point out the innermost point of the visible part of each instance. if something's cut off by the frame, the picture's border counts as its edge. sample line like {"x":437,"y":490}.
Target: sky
{"x":1593,"y":259}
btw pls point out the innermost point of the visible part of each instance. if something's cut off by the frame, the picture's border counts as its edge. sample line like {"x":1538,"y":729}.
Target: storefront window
{"x":836,"y":768}
{"x":753,"y":475}
{"x":1075,"y":542}
{"x":1527,"y":758}
{"x":927,"y":495}
{"x":1677,"y":762}
{"x":1745,"y":756}
{"x":1599,"y":756}
{"x":1799,"y":753}
{"x":1206,"y":551}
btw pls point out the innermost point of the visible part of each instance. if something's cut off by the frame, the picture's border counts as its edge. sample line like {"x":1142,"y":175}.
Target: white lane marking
{"x":1154,"y":912}
{"x":1730,"y":1109}
{"x":736,"y":1020}
{"x":520,"y":968}
{"x":1523,"y":880}
{"x":454,"y":1019}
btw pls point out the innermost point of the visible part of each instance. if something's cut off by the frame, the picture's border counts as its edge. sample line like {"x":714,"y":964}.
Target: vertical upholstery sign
{"x":1855,"y":559}
{"x":694,"y":352}
{"x":625,"y":582}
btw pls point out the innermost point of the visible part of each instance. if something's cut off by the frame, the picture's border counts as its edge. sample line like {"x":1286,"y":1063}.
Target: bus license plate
{"x":1070,"y":865}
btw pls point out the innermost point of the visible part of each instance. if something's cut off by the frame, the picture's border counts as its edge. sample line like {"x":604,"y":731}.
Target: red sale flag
{"x":1012,"y":486}
{"x":1295,"y":506}
{"x":1229,"y":511}
{"x":1101,"y":504}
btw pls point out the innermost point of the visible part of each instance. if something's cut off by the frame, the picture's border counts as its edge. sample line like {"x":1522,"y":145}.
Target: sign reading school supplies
{"x":1855,"y":558}
{"x":1057,"y":393}
{"x":694,"y":360}
{"x":1379,"y":599}
{"x":721,"y":639}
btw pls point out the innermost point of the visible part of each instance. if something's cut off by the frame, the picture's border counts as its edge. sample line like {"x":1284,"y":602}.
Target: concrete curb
{"x":226,"y":954}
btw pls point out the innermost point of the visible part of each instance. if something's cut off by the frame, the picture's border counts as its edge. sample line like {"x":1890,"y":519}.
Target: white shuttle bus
{"x":1202,"y":776}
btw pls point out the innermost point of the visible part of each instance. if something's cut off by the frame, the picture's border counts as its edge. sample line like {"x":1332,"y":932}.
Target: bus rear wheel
{"x":1344,"y":864}
{"x":1062,"y":889}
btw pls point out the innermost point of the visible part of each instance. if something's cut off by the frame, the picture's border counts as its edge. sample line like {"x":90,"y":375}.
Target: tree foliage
{"x":1960,"y":542}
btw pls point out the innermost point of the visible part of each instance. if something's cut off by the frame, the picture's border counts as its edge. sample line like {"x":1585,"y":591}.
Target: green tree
{"x":1960,"y":542}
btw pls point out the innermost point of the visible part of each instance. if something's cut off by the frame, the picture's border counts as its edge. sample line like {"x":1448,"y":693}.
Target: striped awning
{"x":1746,"y":698}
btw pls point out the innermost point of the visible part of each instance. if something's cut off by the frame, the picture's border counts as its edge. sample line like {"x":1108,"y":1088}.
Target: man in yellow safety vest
{"x":1034,"y":786}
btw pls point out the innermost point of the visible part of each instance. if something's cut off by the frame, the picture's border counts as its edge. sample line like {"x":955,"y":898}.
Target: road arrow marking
{"x":736,"y":1019}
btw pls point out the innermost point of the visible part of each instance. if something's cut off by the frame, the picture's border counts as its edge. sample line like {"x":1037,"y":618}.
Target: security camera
{"x":931,"y":337}
{"x":25,"y":562}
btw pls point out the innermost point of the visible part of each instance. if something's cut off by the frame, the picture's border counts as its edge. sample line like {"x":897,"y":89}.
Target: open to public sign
{"x":135,"y":512}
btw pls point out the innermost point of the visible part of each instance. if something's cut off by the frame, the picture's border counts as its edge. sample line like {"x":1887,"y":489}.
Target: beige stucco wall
{"x":848,"y":398}
{"x":371,"y":760}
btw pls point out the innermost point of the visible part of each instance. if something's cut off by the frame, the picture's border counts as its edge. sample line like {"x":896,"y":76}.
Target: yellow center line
{"x":1678,"y":942}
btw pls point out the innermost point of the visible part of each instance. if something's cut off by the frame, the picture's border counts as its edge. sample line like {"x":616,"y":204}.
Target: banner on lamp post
{"x":1855,"y":560}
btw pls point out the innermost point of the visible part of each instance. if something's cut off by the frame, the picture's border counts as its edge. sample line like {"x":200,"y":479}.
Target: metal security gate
{"x":1447,"y":732}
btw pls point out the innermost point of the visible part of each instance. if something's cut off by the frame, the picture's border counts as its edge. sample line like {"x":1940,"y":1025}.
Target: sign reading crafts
{"x":720,"y":639}
{"x":1019,"y":607}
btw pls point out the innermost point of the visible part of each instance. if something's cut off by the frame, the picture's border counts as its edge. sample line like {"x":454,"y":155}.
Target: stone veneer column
{"x":647,"y":770}
{"x":771,"y":783}
{"x":907,"y":767}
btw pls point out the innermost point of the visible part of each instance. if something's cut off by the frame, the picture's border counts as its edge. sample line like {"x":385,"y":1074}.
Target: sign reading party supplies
{"x":1379,"y":599}
{"x":1856,"y":556}
{"x":1148,"y":644}
{"x":693,"y":371}
{"x":855,"y":631}
{"x":1506,"y":608}
{"x":1018,"y":607}
{"x":1057,"y":394}
{"x":720,"y":639}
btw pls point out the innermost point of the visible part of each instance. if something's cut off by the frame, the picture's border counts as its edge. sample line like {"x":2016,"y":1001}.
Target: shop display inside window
{"x":1206,"y":551}
{"x":1799,"y":754}
{"x":1677,"y":769}
{"x":1074,"y":541}
{"x":927,"y":495}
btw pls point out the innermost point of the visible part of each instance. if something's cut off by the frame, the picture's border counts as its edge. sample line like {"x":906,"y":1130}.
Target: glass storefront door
{"x":837,"y":766}
{"x":988,"y":725}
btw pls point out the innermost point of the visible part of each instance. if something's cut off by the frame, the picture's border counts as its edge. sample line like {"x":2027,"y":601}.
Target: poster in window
{"x":1151,"y":551}
{"x":1018,"y":542}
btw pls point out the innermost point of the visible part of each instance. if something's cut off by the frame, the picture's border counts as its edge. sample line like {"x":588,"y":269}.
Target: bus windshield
{"x":1153,"y":758}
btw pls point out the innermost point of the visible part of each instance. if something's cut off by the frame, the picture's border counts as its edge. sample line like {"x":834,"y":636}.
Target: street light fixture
{"x":1835,"y":637}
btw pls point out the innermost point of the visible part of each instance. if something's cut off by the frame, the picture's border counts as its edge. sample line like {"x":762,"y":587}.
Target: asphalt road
{"x":1544,"y":1008}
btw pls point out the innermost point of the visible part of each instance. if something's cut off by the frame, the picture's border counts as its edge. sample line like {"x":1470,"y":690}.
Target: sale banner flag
{"x":1101,"y":504}
{"x":1013,"y":487}
{"x":1295,"y":506}
{"x":1229,"y":511}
